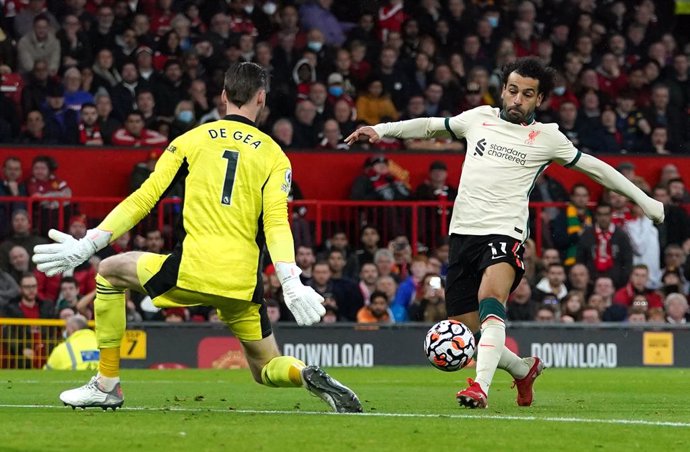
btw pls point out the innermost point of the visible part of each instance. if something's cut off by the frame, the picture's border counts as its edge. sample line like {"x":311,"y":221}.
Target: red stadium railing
{"x":425,"y":223}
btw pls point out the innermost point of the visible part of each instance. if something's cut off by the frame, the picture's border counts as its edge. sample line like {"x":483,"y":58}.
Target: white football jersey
{"x":502,"y":164}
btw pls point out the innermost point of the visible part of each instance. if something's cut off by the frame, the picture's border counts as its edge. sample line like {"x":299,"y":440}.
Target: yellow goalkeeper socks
{"x":283,"y":372}
{"x":109,"y":308}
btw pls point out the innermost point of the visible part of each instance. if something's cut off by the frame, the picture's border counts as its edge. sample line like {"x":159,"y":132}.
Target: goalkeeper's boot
{"x":338,"y":396}
{"x":93,"y":395}
{"x":524,"y":385}
{"x":473,"y":396}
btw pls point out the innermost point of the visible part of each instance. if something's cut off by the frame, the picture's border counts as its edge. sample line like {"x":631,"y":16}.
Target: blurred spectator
{"x":75,"y":96}
{"x":375,"y":106}
{"x":305,"y":260}
{"x":35,"y":132}
{"x":36,"y":89}
{"x":611,"y":79}
{"x":677,"y":309}
{"x":185,"y":119}
{"x":679,"y":83}
{"x":39,"y":44}
{"x":124,"y":93}
{"x":551,"y":289}
{"x":674,"y":230}
{"x":9,"y":289}
{"x":339,"y":241}
{"x":217,"y":112}
{"x":344,"y":114}
{"x":568,"y":122}
{"x":68,"y":296}
{"x":678,"y":193}
{"x":318,"y":95}
{"x":572,"y":306}
{"x":331,"y":138}
{"x":637,"y":285}
{"x":630,"y":122}
{"x":590,"y":315}
{"x":644,"y":238}
{"x":659,"y":140}
{"x":368,"y":275}
{"x":521,"y":305}
{"x":605,"y":249}
{"x":75,"y":47}
{"x":21,"y":236}
{"x":547,"y":189}
{"x":146,"y":104}
{"x":169,"y":89}
{"x":154,"y":242}
{"x":19,"y":262}
{"x":545,"y":314}
{"x":571,"y":223}
{"x":143,"y":57}
{"x":428,"y":303}
{"x":102,"y":33}
{"x":80,"y":349}
{"x":377,"y":311}
{"x":661,"y":114}
{"x":604,"y":138}
{"x":408,"y":288}
{"x":305,"y":126}
{"x":28,"y":344}
{"x":105,"y":74}
{"x":392,"y":79}
{"x":11,"y":185}
{"x":317,"y":14}
{"x":89,"y":128}
{"x":345,"y":296}
{"x":61,"y":122}
{"x":135,"y":134}
{"x":369,"y":238}
{"x":620,"y":212}
{"x":637,"y":314}
{"x":383,"y":259}
{"x":674,"y":261}
{"x":377,"y":183}
{"x":107,"y":123}
{"x":579,"y":280}
{"x":283,"y":133}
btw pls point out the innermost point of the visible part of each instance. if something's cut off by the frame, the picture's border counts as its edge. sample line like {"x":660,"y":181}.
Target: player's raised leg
{"x":115,"y":275}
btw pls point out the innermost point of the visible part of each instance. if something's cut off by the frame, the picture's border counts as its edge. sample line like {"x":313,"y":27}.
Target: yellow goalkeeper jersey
{"x":236,"y":187}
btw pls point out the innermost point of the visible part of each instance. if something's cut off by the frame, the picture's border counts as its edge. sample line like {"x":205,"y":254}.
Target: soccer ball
{"x":449,"y":345}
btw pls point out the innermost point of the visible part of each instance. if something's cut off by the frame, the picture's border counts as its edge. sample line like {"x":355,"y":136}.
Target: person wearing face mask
{"x":185,"y":119}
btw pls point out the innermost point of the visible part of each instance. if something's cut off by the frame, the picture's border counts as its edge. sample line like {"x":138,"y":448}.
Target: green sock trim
{"x":491,"y":307}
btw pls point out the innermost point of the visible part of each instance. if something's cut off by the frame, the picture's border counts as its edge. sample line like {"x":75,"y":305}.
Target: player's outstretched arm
{"x":607,"y":176}
{"x":412,"y":128}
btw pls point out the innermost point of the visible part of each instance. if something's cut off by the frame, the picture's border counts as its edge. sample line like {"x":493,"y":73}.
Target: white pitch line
{"x":575,"y":420}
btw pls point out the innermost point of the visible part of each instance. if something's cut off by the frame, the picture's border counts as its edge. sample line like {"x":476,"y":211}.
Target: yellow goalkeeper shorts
{"x":157,"y":274}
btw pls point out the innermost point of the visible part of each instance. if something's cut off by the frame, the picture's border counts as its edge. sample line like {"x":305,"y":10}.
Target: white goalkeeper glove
{"x":303,"y":301}
{"x":68,"y":252}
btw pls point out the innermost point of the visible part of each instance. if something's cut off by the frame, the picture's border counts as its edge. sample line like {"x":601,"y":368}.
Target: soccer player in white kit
{"x":506,"y":151}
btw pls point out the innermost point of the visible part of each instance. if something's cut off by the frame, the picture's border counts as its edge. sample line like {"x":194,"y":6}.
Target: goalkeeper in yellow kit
{"x":237,"y":181}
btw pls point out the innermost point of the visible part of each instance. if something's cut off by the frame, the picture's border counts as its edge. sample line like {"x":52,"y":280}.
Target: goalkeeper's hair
{"x":533,"y":68}
{"x":242,"y":81}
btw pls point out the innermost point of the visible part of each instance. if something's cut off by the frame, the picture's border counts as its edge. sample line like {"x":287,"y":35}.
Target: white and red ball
{"x":449,"y":345}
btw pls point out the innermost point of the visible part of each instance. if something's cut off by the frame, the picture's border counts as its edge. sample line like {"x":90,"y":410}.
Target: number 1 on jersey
{"x":232,"y":157}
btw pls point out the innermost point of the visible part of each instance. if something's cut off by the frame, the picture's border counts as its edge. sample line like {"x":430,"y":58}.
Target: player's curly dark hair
{"x":533,"y":68}
{"x":242,"y":81}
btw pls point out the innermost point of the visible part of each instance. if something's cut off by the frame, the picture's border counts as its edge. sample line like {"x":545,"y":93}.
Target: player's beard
{"x":515,"y":114}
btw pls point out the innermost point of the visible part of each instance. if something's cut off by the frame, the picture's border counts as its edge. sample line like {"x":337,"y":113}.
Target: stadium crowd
{"x":140,"y":73}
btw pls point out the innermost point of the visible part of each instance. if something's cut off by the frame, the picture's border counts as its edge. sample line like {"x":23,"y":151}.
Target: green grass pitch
{"x":405,"y":409}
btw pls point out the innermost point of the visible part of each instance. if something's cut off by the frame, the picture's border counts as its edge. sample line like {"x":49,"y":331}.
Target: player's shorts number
{"x":232,"y":157}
